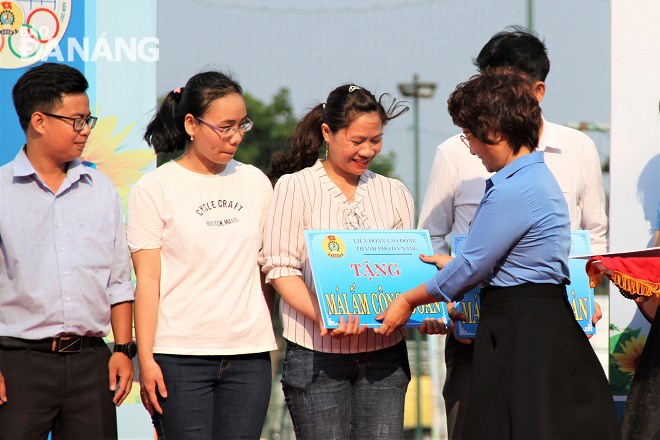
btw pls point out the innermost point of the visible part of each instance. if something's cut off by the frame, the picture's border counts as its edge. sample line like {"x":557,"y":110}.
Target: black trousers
{"x":68,"y":394}
{"x":535,"y":375}
{"x":456,"y":390}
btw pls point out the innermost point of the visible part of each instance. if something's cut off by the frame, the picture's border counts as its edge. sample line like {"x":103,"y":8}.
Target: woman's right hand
{"x":440,"y":260}
{"x":349,"y":328}
{"x":151,"y":382}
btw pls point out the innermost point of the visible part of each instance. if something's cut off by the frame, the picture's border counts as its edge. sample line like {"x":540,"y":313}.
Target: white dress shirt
{"x":457,"y":185}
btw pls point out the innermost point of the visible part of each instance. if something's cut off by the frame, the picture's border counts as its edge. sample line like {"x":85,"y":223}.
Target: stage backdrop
{"x":114,"y":43}
{"x":634,"y":168}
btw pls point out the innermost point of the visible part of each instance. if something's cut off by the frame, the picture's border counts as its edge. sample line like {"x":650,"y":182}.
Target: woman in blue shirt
{"x":534,"y":376}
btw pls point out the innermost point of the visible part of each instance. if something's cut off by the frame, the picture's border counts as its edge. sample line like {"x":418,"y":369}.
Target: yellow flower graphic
{"x":104,"y":152}
{"x":632,"y":351}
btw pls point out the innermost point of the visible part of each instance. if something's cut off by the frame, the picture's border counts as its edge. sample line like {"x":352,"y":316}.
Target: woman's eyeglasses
{"x":229,"y":132}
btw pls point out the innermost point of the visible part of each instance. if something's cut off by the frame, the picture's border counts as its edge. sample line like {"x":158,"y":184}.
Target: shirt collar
{"x":548,"y":138}
{"x":513,"y":167}
{"x":22,"y":166}
{"x":75,"y":169}
{"x":329,"y":185}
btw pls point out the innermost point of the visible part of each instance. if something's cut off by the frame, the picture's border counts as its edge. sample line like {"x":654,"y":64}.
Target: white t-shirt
{"x":209,"y":232}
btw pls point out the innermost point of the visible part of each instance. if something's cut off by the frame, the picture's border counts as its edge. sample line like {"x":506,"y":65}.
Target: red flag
{"x":639,"y":276}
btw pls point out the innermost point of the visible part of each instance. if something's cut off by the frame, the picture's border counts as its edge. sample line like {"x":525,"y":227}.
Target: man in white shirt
{"x":457,"y":184}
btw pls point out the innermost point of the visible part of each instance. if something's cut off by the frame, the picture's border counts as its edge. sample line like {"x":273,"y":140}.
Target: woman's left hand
{"x":395,"y":316}
{"x":432,"y":326}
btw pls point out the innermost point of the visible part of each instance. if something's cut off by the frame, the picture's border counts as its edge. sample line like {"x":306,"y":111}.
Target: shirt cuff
{"x":121,"y":293}
{"x":433,"y":290}
{"x":279,"y":272}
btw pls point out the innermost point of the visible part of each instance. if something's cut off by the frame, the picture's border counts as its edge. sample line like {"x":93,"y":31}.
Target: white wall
{"x":635,"y":137}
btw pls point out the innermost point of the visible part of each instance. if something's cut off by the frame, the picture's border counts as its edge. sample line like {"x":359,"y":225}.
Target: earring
{"x":326,"y":150}
{"x":192,"y":138}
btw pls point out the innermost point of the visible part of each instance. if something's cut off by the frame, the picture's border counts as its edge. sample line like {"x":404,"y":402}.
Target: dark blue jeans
{"x":346,"y":396}
{"x":213,"y":397}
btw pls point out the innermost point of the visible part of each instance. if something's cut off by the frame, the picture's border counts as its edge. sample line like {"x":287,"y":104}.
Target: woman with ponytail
{"x":202,"y":314}
{"x":348,"y":382}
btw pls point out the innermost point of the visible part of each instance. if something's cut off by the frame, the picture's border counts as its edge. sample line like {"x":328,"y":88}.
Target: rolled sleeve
{"x":434,"y":290}
{"x":282,"y":267}
{"x":120,"y":293}
{"x":284,"y":239}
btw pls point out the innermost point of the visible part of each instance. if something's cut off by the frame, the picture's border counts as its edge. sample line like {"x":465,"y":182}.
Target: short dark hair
{"x":343,"y":105}
{"x":42,"y":88}
{"x":515,"y":47}
{"x":166,"y":132}
{"x":496,"y":102}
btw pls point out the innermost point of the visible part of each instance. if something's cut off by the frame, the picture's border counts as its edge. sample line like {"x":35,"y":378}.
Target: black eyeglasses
{"x":78,"y":123}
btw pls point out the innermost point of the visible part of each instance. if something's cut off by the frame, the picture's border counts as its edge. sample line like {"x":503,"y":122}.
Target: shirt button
{"x":68,"y":299}
{"x":70,"y":324}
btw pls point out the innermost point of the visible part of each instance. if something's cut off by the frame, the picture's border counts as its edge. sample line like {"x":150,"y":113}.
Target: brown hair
{"x":498,"y":101}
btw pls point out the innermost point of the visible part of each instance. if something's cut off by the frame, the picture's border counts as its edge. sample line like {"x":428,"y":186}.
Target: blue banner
{"x":359,"y":272}
{"x":580,"y":295}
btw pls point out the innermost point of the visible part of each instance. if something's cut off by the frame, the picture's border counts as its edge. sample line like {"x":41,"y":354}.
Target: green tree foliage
{"x":273,"y":125}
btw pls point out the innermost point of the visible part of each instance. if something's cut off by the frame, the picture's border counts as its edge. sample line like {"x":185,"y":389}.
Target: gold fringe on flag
{"x":635,"y":286}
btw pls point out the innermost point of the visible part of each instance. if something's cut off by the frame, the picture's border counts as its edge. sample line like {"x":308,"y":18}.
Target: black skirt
{"x":535,"y":375}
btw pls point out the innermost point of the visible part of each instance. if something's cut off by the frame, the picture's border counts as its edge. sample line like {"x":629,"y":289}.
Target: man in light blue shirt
{"x":64,"y":272}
